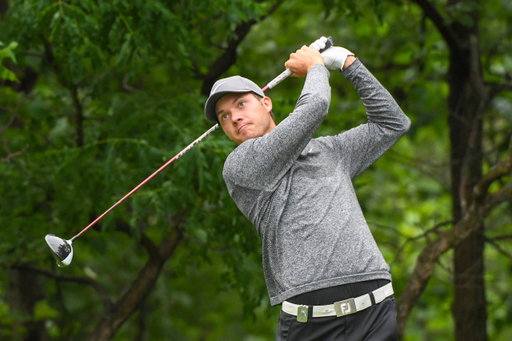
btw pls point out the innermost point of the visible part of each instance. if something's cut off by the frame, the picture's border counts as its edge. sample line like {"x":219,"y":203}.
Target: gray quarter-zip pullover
{"x":297,"y":191}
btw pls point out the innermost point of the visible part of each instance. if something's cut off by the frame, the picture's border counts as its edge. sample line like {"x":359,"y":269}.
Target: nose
{"x":236,"y":116}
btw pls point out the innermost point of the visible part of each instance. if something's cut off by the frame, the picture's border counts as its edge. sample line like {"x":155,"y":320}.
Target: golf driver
{"x":63,"y":250}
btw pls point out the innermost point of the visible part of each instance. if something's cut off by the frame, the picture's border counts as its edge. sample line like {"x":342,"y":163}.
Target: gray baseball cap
{"x":225,"y":86}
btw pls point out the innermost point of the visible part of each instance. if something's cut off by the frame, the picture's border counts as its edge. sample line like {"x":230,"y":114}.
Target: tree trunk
{"x":469,"y":305}
{"x":4,"y":8}
{"x":22,"y":294}
{"x":131,"y":301}
{"x":466,"y":104}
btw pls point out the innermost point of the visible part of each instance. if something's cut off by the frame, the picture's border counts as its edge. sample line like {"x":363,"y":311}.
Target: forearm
{"x":363,"y":145}
{"x":381,"y":107}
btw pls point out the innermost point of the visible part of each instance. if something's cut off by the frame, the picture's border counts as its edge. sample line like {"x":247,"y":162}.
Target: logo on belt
{"x":345,"y":308}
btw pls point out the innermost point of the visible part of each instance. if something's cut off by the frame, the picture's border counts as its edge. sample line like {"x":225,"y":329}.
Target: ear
{"x":267,"y":103}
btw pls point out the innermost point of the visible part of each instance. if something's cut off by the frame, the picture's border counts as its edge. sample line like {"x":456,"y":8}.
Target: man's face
{"x":242,"y":116}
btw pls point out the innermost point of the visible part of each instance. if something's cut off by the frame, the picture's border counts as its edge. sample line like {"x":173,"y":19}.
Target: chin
{"x":252,"y":136}
{"x":248,"y":136}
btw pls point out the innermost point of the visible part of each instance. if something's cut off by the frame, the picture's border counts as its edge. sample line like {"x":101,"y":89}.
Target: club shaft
{"x":274,"y":82}
{"x":180,"y":154}
{"x":285,"y":74}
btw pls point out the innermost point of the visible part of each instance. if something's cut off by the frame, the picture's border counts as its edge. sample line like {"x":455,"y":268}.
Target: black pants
{"x":376,"y":323}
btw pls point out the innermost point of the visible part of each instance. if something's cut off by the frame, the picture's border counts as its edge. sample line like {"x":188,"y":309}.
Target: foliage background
{"x":97,"y":95}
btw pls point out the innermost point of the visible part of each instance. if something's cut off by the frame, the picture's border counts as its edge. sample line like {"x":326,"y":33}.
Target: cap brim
{"x":211,"y":102}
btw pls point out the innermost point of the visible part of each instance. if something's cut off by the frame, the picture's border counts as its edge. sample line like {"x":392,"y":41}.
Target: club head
{"x":61,"y":248}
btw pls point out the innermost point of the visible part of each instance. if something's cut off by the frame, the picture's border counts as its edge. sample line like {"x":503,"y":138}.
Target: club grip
{"x":286,"y":73}
{"x":328,"y":44}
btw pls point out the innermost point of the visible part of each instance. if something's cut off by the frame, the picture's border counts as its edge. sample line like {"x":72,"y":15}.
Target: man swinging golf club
{"x":320,"y":259}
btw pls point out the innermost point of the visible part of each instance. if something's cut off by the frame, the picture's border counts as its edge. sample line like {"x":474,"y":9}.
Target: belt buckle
{"x":345,"y":307}
{"x":302,"y":313}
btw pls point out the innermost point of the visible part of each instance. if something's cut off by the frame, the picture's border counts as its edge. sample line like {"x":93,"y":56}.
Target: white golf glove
{"x":334,"y":57}
{"x":319,"y":43}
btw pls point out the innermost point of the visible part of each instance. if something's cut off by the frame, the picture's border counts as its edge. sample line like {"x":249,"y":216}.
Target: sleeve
{"x":259,"y":163}
{"x":362,"y":146}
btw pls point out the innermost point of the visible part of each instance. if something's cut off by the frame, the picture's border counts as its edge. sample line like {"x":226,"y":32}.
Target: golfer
{"x":320,"y":259}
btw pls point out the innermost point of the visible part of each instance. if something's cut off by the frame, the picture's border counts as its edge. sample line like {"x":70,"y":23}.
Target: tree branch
{"x":500,"y":170}
{"x":446,"y":240}
{"x":498,"y":197}
{"x":496,"y":88}
{"x":73,"y":89}
{"x":140,"y":288}
{"x":79,"y":116}
{"x":505,"y":236}
{"x":107,"y":303}
{"x":435,"y":228}
{"x":499,"y":248}
{"x":228,"y":58}
{"x":497,"y":172}
{"x":145,"y":241}
{"x":10,"y":155}
{"x":24,"y":122}
{"x":421,"y":274}
{"x":433,"y":14}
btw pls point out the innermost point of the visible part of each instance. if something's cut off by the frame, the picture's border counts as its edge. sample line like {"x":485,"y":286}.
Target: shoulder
{"x":238,"y":159}
{"x":240,"y":151}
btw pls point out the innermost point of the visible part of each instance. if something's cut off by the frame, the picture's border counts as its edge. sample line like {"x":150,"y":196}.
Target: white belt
{"x":341,"y":308}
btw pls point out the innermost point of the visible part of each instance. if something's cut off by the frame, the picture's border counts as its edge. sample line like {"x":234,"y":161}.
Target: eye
{"x":224,"y":117}
{"x":241,"y":104}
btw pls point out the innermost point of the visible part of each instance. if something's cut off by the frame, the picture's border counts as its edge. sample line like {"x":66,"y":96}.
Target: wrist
{"x":350,"y":59}
{"x":313,"y":64}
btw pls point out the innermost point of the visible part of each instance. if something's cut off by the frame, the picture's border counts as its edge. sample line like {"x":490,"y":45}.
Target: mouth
{"x":242,"y":127}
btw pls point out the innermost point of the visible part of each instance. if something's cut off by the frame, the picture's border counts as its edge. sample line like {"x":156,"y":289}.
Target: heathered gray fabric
{"x":298,"y":193}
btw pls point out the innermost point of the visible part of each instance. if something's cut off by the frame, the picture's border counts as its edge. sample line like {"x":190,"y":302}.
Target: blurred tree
{"x":469,"y":107}
{"x":107,"y":92}
{"x":105,"y":71}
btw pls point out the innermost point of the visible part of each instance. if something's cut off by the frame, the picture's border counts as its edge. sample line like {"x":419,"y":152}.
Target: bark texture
{"x":468,"y":101}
